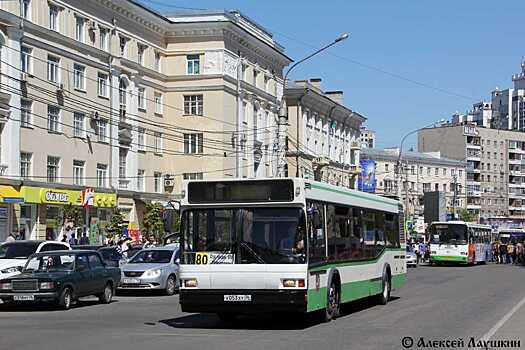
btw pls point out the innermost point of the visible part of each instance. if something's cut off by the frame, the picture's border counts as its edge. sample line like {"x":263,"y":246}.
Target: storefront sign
{"x":470,"y":130}
{"x":63,"y":197}
{"x":55,"y":197}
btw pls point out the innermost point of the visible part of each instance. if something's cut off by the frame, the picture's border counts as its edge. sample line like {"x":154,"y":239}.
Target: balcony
{"x":474,"y":193}
{"x":516,"y":150}
{"x":5,"y":109}
{"x":515,"y":161}
{"x":124,"y":133}
{"x":123,"y":183}
{"x":473,"y":206}
{"x":515,"y":172}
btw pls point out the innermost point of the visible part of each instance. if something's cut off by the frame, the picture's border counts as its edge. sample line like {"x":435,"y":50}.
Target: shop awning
{"x":8,"y":194}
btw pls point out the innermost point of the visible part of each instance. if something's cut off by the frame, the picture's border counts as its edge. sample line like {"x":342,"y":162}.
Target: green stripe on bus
{"x":357,"y":195}
{"x":449,"y":258}
{"x":354,"y":263}
{"x":351,"y":291}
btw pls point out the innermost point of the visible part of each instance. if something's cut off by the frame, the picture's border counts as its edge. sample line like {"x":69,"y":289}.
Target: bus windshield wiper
{"x":252,"y":252}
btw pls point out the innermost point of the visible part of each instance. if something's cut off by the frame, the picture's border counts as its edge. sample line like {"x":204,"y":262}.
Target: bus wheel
{"x":384,"y":297}
{"x":227,"y":316}
{"x":332,"y":303}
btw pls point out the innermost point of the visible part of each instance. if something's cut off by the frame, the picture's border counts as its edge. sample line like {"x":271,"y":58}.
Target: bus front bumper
{"x":448,"y":258}
{"x":260,"y":301}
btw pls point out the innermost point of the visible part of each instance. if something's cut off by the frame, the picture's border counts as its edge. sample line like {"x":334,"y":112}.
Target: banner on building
{"x":367,"y":178}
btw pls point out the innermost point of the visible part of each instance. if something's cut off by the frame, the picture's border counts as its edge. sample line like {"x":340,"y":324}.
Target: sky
{"x":406,"y":63}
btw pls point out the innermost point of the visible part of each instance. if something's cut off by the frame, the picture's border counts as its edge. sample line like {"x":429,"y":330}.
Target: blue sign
{"x":367,"y":178}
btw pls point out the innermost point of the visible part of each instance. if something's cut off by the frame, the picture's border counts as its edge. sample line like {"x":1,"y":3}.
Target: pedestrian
{"x":503,"y":253}
{"x":84,"y":240}
{"x":510,"y":253}
{"x":11,"y":237}
{"x":151,"y":243}
{"x":519,"y":253}
{"x":495,"y":252}
{"x":416,"y":251}
{"x":422,"y":250}
{"x":72,"y":239}
{"x":64,"y":238}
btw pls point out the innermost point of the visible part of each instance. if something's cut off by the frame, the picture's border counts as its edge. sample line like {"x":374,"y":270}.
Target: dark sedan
{"x":62,"y":277}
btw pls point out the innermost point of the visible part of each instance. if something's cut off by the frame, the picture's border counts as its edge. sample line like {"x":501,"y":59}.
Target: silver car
{"x":410,"y":257}
{"x":152,"y":268}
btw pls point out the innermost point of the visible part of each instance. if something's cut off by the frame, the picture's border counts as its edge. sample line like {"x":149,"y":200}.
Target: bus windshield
{"x":244,"y":236}
{"x":448,"y":233}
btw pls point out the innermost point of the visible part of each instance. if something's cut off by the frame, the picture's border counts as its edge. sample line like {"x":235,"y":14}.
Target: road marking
{"x":502,"y":321}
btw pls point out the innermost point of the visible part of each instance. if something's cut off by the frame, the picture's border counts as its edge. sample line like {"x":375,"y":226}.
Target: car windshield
{"x":18,"y":250}
{"x":152,"y":257}
{"x":244,"y":236}
{"x":50,"y":263}
{"x":449,"y":233}
{"x":110,"y":253}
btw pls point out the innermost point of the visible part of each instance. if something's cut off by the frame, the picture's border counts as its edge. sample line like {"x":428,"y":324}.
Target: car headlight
{"x":5,"y":286}
{"x":47,"y":285}
{"x":12,"y":269}
{"x":152,"y":273}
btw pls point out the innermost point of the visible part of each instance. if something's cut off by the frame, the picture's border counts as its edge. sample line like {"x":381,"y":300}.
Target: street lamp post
{"x":283,"y":109}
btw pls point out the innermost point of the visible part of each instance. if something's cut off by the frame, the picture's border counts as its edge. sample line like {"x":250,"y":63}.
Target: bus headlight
{"x":292,"y":283}
{"x":190,"y":283}
{"x":432,"y":252}
{"x":464,"y":253}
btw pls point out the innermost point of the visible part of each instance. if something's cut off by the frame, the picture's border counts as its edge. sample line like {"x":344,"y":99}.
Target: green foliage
{"x":72,"y":214}
{"x":467,"y":216}
{"x":153,"y":222}
{"x":114,"y":228}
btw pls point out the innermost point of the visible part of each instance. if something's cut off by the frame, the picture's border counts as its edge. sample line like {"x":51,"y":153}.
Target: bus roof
{"x":459,"y":222}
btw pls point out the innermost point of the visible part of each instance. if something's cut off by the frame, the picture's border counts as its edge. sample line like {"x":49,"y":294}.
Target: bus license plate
{"x":235,"y":298}
{"x":24,"y":297}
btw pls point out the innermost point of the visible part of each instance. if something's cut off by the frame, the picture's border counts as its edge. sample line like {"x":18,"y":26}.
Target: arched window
{"x":123,"y":89}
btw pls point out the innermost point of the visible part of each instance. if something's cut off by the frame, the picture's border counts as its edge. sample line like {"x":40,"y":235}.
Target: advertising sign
{"x":367,"y":178}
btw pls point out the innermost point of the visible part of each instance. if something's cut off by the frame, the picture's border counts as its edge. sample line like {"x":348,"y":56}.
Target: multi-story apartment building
{"x":495,"y":166}
{"x":481,"y":115}
{"x":508,"y":106}
{"x":368,"y":138}
{"x":323,"y":134}
{"x":113,"y":96}
{"x":419,"y":173}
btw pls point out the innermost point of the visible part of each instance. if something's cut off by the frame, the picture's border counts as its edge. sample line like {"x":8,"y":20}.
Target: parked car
{"x":152,"y":268}
{"x":410,"y":257}
{"x":86,"y":247}
{"x":171,"y":238}
{"x":61,"y":277}
{"x":113,"y":257}
{"x":14,"y":255}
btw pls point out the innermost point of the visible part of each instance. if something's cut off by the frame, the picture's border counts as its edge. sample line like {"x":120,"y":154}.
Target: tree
{"x":114,"y":228}
{"x":153,"y":220}
{"x":71,"y":214}
{"x":467,"y":216}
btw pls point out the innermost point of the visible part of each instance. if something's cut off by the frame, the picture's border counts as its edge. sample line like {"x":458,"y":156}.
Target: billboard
{"x":367,"y":177}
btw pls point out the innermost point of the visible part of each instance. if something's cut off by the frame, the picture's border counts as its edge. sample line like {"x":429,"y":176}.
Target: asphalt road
{"x":438,"y":303}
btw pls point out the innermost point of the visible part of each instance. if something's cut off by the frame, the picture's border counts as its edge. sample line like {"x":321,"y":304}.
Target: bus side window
{"x":316,"y":232}
{"x":356,"y":234}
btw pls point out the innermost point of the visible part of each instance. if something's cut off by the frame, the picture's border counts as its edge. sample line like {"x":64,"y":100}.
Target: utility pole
{"x":283,"y":110}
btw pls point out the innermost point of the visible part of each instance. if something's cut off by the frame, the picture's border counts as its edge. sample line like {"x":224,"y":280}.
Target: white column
{"x":133,"y":159}
{"x":10,"y":152}
{"x":113,"y":125}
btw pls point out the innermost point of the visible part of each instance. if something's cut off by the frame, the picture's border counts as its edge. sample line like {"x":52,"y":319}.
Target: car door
{"x":99,"y":273}
{"x":83,"y":276}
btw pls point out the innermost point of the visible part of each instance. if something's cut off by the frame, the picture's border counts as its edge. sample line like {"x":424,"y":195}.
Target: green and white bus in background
{"x":460,"y":242}
{"x":271,"y":245}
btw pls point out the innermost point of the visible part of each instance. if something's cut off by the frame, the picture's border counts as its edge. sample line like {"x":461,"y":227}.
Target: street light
{"x":283,"y":109}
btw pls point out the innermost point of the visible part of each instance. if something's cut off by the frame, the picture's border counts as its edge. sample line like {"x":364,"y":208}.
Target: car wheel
{"x":107,"y":295}
{"x":171,"y":284}
{"x":65,"y":299}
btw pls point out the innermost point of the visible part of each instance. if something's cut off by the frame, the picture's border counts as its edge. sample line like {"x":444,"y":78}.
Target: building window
{"x":428,"y":171}
{"x":157,"y":143}
{"x":53,"y":168}
{"x":193,"y":143}
{"x":193,"y":64}
{"x":26,"y":9}
{"x":255,"y":75}
{"x":52,"y":68}
{"x":122,"y":155}
{"x":193,"y":105}
{"x":53,"y":17}
{"x":436,"y":171}
{"x":192,"y":176}
{"x":123,"y":44}
{"x":102,"y":130}
{"x":158,"y":103}
{"x":122,"y":95}
{"x":413,"y":170}
{"x":436,"y":187}
{"x":26,"y":107}
{"x":141,"y":49}
{"x":444,"y":187}
{"x":444,"y":172}
{"x":26,"y":59}
{"x":141,"y":139}
{"x":103,"y":39}
{"x":157,"y":182}
{"x":53,"y":118}
{"x":103,"y":84}
{"x":25,"y":164}
{"x":157,"y":62}
{"x":142,"y":98}
{"x":79,"y":129}
{"x":140,"y":180}
{"x":79,"y":77}
{"x":102,"y":175}
{"x":78,"y":172}
{"x":426,"y":187}
{"x":386,"y":168}
{"x":79,"y":29}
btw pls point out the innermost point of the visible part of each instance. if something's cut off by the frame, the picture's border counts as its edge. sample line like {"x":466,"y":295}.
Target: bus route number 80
{"x":201,"y":259}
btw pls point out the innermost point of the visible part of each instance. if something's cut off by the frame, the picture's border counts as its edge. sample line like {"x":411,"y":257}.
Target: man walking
{"x":84,"y":240}
{"x":519,"y":253}
{"x":503,"y":253}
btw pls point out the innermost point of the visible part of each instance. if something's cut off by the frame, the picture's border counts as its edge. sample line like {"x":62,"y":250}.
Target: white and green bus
{"x":270,"y":245}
